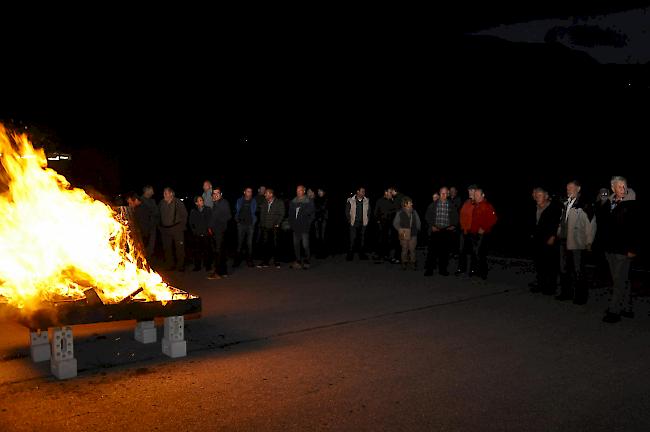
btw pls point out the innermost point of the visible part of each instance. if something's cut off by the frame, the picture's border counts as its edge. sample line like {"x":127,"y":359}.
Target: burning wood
{"x":57,"y":244}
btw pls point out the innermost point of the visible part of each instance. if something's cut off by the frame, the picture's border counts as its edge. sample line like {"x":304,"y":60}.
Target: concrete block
{"x":39,"y":348}
{"x":174,"y":349}
{"x":64,"y":369}
{"x":146,"y":336}
{"x":62,"y":344}
{"x":174,"y":328}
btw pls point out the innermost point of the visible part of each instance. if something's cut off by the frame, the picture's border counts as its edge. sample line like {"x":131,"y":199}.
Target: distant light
{"x":53,"y":158}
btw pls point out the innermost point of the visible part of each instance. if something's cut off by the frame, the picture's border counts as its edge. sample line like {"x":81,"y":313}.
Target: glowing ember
{"x":56,"y":241}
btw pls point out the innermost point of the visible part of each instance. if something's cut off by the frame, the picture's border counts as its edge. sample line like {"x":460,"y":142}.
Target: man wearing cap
{"x":483,"y":219}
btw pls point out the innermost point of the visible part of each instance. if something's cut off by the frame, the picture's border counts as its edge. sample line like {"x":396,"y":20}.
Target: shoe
{"x":627,"y":314}
{"x":394,"y":261}
{"x":295,"y":265}
{"x":196,"y":269}
{"x":363,"y":257}
{"x":306,"y":265}
{"x":458,"y":272}
{"x":249,"y":263}
{"x":236,"y":263}
{"x":277,"y":266}
{"x":349,"y":256}
{"x":611,"y":318}
{"x":443,"y":273}
{"x":403,"y":267}
{"x":214,"y":276}
{"x":428,"y":272}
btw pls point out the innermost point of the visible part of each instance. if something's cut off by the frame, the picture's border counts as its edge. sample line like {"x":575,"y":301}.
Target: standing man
{"x":544,"y":237}
{"x":153,"y":220}
{"x":442,"y":217}
{"x":246,"y":217}
{"x":466,"y":245}
{"x":207,"y":194}
{"x":621,"y":238}
{"x":301,"y":215}
{"x":219,"y":218}
{"x":173,"y":219}
{"x":321,"y":205}
{"x":385,"y":216}
{"x":407,"y":224}
{"x":575,"y":234}
{"x":357,"y":212}
{"x":199,"y":220}
{"x":483,"y":219}
{"x":271,"y":216}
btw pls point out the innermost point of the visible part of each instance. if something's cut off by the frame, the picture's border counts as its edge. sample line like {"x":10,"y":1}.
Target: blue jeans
{"x":299,"y":238}
{"x":245,"y":234}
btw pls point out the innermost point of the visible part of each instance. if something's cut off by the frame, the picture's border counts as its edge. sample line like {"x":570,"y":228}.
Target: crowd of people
{"x":562,"y":232}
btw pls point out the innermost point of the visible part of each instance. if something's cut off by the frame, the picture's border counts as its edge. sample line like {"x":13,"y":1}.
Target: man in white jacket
{"x":576,"y":233}
{"x":357,"y":212}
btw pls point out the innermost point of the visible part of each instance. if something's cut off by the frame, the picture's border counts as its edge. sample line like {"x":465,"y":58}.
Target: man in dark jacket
{"x":384,"y":216}
{"x":217,"y":228}
{"x":173,"y":220}
{"x":621,"y":231}
{"x":271,"y":216}
{"x":199,"y":220}
{"x":321,"y":204}
{"x":152,"y":220}
{"x":246,"y":217}
{"x":545,"y":223}
{"x":301,"y":215}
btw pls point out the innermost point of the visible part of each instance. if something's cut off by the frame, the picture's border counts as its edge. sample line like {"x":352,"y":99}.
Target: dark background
{"x":336,"y":99}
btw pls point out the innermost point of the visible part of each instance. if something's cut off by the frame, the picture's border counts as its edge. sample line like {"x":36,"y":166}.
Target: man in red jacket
{"x":483,"y":219}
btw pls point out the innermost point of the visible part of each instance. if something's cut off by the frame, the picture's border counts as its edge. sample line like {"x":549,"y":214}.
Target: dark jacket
{"x":152,"y":219}
{"x":385,"y":210}
{"x":430,"y":215}
{"x":199,"y":220}
{"x":301,"y":222}
{"x":220,"y":216}
{"x":272,"y":216}
{"x":322,"y":208}
{"x":548,"y":223}
{"x":620,"y":228}
{"x":238,"y":205}
{"x":173,"y":216}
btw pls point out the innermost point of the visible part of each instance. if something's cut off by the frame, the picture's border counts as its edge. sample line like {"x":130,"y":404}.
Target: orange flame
{"x":56,"y":241}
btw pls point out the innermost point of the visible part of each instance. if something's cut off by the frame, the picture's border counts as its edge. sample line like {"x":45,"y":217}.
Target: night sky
{"x":373,"y":101}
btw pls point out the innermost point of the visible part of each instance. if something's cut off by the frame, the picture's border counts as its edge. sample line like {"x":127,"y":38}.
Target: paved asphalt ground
{"x":349,"y":347}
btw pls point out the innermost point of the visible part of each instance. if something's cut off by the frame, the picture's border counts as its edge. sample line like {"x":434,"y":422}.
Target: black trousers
{"x":386,"y":241}
{"x":269,"y":245}
{"x":438,"y":250}
{"x":219,"y":250}
{"x":201,"y":251}
{"x":466,"y":249}
{"x":572,"y":273}
{"x":480,"y":243}
{"x":357,"y":235}
{"x":546,"y":266}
